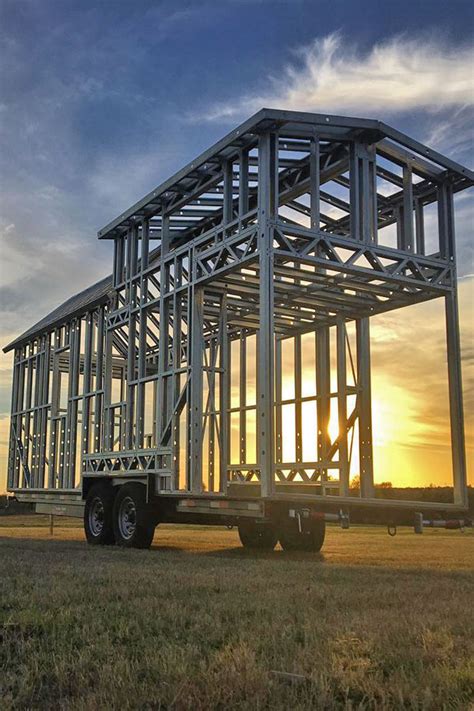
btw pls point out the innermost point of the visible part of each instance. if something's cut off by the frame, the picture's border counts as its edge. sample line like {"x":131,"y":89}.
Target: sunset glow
{"x":410,"y":407}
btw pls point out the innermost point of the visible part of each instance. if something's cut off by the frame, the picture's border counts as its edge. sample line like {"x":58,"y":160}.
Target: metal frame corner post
{"x":267,"y":209}
{"x":456,"y":413}
{"x":447,"y":244}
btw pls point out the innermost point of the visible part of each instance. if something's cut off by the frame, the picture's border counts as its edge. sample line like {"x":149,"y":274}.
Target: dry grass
{"x":199,"y":623}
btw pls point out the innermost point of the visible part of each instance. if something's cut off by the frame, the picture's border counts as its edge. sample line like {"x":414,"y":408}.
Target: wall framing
{"x":287,"y":231}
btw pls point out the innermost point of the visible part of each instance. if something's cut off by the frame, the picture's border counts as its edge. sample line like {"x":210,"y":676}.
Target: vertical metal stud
{"x":298,"y":404}
{"x":407,"y":238}
{"x":342,"y":408}
{"x":267,"y":207}
{"x":243,"y":399}
{"x":364,"y":406}
{"x":314,"y":160}
{"x":224,"y":395}
{"x":323,"y":389}
{"x":197,"y":343}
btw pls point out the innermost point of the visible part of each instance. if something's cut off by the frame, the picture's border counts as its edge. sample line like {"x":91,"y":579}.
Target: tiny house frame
{"x":266,"y":255}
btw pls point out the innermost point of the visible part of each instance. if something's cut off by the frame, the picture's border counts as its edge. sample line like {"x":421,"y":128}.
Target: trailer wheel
{"x":98,"y":525}
{"x":310,"y":539}
{"x":257,"y":535}
{"x":134,"y":527}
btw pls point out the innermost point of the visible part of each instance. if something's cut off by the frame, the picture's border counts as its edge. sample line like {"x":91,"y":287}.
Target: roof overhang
{"x":292,"y":122}
{"x":76,"y":305}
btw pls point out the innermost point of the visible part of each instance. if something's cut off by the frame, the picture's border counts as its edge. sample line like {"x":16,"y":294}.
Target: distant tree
{"x":355,"y":482}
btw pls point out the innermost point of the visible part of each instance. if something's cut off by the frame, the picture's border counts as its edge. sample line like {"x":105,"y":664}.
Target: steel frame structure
{"x":267,"y":255}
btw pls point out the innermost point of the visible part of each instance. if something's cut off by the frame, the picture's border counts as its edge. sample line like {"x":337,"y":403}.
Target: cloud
{"x":425,"y":82}
{"x":453,"y":134}
{"x":397,"y":74}
{"x":117,"y":188}
{"x":36,"y":275}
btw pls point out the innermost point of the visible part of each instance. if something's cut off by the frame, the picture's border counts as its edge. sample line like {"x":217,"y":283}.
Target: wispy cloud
{"x":332,"y":74}
{"x":36,"y":275}
{"x":453,"y":134}
{"x":91,"y":146}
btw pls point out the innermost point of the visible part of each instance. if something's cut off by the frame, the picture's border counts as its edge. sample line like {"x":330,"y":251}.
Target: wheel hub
{"x":96,"y":516}
{"x":127,"y":518}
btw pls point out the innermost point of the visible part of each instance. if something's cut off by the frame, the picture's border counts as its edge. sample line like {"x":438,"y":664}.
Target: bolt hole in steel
{"x":127,"y":518}
{"x":96,"y":516}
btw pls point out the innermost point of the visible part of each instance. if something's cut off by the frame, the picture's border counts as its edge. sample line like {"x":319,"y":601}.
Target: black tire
{"x":134,"y":526}
{"x":98,"y":515}
{"x":310,"y":539}
{"x":257,"y":535}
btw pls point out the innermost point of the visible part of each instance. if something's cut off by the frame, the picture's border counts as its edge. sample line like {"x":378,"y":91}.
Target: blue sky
{"x":101,"y":101}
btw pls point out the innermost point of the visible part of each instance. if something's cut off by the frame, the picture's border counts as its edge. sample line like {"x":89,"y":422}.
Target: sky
{"x":101,"y":101}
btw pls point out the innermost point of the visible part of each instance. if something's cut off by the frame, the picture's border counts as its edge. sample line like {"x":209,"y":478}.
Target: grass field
{"x":199,"y":623}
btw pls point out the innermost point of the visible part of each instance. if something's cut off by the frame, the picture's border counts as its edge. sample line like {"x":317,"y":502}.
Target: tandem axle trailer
{"x":196,"y":383}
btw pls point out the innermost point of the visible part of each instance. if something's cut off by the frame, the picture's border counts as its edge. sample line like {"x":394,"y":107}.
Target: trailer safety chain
{"x":298,"y":516}
{"x":392,"y":529}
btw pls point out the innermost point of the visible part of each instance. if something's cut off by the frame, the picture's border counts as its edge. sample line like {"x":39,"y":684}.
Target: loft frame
{"x":274,"y":234}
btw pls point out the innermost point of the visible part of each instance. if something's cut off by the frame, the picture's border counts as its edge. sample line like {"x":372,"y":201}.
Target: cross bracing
{"x":285,"y":237}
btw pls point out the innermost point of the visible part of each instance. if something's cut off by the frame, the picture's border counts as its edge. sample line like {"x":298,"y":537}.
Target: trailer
{"x":160,"y":393}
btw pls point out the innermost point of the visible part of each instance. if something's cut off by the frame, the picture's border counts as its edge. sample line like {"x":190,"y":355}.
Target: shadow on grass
{"x":238,"y":552}
{"x":185,"y":559}
{"x":253,"y":554}
{"x":197,"y":548}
